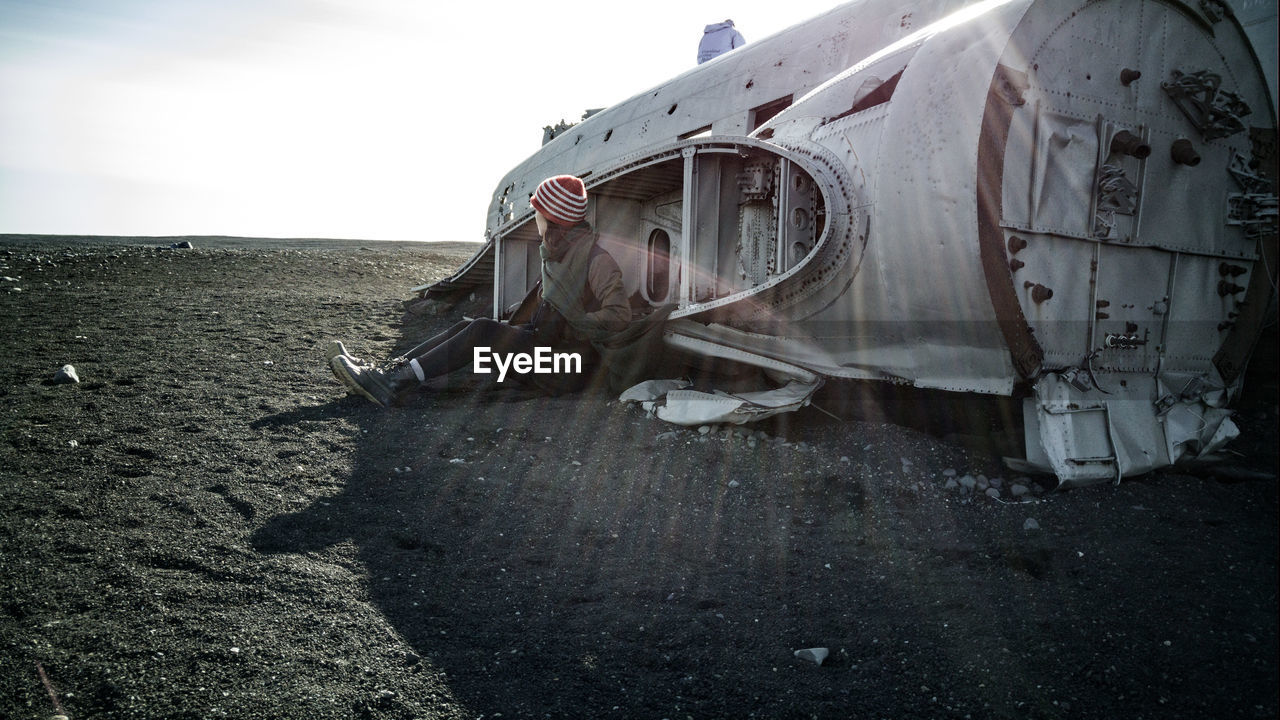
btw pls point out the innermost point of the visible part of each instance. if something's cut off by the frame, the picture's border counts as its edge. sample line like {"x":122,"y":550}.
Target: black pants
{"x":454,"y":348}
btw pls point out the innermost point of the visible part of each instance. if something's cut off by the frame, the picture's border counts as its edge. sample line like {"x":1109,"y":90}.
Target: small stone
{"x":996,"y":482}
{"x":1031,"y":524}
{"x":704,"y":429}
{"x":668,"y":435}
{"x":577,"y":464}
{"x":734,"y":483}
{"x":844,"y":460}
{"x":813,"y":655}
{"x":73,"y":443}
{"x":1018,"y":490}
{"x":968,"y":482}
{"x":951,"y":484}
{"x":66,"y":375}
{"x":457,"y":461}
{"x":993,"y":493}
{"x":949,"y":472}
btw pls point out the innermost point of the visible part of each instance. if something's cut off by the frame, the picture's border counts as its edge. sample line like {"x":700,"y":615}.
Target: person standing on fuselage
{"x":718,"y":39}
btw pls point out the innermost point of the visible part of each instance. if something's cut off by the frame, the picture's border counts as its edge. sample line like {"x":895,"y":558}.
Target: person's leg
{"x":337,"y":349}
{"x":436,"y":340}
{"x":386,"y":387}
{"x":458,"y":350}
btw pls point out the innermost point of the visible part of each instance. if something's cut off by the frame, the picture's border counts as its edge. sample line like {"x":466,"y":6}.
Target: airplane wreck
{"x":1067,"y":202}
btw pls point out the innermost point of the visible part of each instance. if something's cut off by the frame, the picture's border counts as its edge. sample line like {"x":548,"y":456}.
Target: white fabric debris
{"x":694,"y":407}
{"x":651,"y":390}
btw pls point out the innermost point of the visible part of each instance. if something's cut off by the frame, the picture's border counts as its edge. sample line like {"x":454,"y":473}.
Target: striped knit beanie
{"x":563,"y":199}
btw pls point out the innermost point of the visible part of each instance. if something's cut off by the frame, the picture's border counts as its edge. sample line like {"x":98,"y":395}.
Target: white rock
{"x":66,"y":375}
{"x":844,"y":459}
{"x":813,"y":655}
{"x":1031,"y":524}
{"x":734,"y":483}
{"x":704,"y":429}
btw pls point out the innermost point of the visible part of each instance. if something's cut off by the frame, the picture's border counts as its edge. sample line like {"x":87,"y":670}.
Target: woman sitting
{"x":582,"y":300}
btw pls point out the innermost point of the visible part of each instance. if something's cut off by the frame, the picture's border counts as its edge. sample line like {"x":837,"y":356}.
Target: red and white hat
{"x":563,"y":199}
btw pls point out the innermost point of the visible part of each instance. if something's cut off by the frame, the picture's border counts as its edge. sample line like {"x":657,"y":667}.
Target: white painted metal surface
{"x":1061,"y":199}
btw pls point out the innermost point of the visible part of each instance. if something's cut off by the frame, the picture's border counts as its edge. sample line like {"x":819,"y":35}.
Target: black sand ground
{"x":205,"y":526}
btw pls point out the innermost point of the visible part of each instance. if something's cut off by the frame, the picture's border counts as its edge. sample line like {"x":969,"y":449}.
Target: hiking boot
{"x":382,"y":387}
{"x":334,"y":351}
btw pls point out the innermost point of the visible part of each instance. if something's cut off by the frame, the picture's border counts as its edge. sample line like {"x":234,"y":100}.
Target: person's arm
{"x":605,"y":279}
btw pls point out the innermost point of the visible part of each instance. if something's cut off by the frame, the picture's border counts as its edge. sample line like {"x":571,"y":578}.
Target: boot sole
{"x":353,"y":387}
{"x":342,"y":377}
{"x":332,"y":352}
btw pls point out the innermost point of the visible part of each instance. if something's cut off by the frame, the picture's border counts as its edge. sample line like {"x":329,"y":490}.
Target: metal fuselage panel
{"x":965,"y":201}
{"x":1113,"y":199}
{"x":914,"y":308}
{"x":723,"y":96}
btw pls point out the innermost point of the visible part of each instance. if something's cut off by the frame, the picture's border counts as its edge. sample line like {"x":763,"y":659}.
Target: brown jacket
{"x":604,"y":297}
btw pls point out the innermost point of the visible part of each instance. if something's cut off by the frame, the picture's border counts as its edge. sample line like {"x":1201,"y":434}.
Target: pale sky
{"x":372,"y":119}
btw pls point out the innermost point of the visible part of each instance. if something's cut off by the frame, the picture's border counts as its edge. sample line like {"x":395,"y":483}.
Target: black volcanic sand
{"x":207,"y":526}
